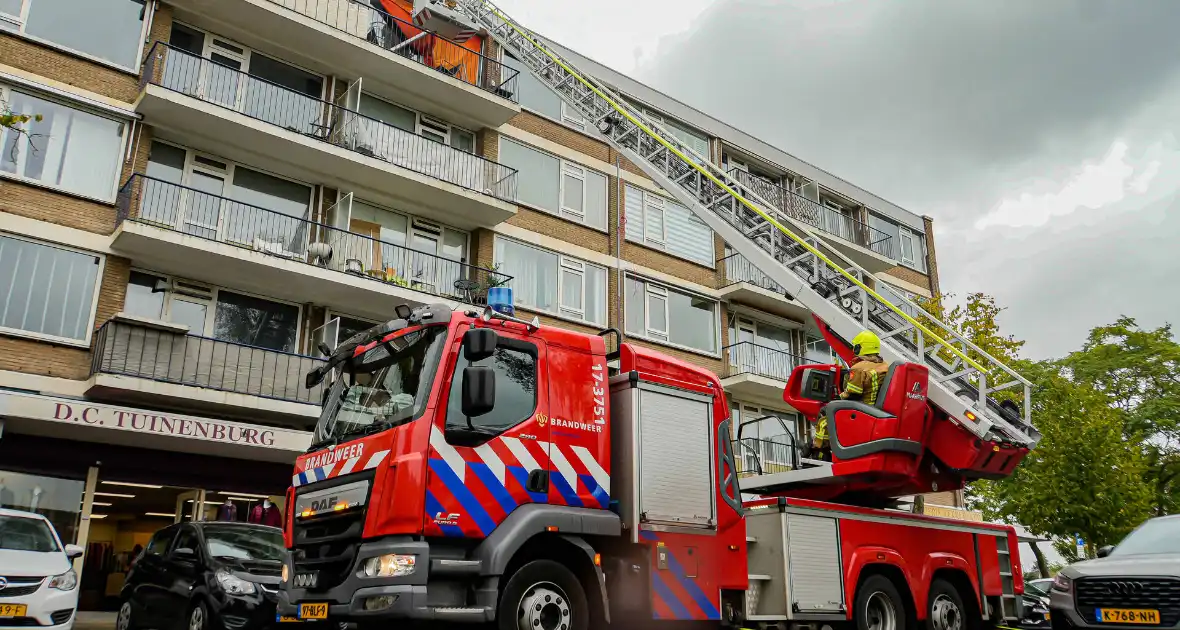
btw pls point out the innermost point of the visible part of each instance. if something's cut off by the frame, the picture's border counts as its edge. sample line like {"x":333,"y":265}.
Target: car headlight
{"x":64,"y":582}
{"x":233,"y":584}
{"x":1062,"y":584}
{"x":389,"y":565}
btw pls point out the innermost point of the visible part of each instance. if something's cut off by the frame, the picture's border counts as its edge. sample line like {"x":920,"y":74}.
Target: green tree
{"x":1139,"y":373}
{"x":1086,"y":477}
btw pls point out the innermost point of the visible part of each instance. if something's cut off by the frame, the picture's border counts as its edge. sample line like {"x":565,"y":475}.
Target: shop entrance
{"x":126,"y":514}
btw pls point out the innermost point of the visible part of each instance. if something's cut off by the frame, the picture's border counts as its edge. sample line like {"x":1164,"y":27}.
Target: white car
{"x":38,"y":586}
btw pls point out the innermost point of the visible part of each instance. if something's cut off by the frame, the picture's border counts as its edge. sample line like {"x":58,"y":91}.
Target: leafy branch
{"x":15,"y":122}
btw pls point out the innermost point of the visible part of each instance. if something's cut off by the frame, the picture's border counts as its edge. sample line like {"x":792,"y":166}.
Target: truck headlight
{"x":286,"y":573}
{"x":233,"y":584}
{"x":64,"y":582}
{"x":1062,"y":584}
{"x":389,"y":565}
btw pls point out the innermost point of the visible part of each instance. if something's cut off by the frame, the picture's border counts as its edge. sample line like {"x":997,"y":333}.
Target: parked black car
{"x":205,"y":576}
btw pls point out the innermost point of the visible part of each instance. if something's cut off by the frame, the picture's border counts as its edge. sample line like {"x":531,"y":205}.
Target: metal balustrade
{"x":736,"y":268}
{"x":378,"y":28}
{"x":206,"y":80}
{"x":167,"y":356}
{"x":817,"y":215}
{"x":171,"y":206}
{"x":747,"y":357}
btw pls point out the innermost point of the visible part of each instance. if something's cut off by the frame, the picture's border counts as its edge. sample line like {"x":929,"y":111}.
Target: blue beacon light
{"x":500,"y":299}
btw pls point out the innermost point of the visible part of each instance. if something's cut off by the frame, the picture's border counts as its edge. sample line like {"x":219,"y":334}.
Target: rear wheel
{"x":945,"y":608}
{"x":878,"y":605}
{"x":123,"y":621}
{"x":543,"y":595}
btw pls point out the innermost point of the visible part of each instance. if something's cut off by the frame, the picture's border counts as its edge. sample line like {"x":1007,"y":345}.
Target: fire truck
{"x":477,"y":467}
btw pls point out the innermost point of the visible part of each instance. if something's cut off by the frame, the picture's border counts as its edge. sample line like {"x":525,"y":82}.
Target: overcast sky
{"x":1041,"y":136}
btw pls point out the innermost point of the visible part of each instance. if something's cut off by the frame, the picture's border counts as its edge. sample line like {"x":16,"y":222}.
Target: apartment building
{"x":217,"y":186}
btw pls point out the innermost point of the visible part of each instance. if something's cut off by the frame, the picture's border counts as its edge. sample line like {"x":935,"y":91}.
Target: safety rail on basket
{"x":757,"y":456}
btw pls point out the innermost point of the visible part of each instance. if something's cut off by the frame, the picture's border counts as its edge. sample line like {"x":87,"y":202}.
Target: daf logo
{"x":3,"y":583}
{"x":321,"y":505}
{"x":1123,"y":588}
{"x":306,"y":580}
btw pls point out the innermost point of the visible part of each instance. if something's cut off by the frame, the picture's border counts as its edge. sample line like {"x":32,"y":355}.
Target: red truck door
{"x":474,"y":481}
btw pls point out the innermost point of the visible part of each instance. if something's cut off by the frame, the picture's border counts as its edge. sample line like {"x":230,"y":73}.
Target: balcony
{"x":157,"y":364}
{"x":743,"y":283}
{"x":232,"y":114}
{"x":757,"y":373}
{"x":180,"y":230}
{"x":349,"y":38}
{"x":868,"y":247}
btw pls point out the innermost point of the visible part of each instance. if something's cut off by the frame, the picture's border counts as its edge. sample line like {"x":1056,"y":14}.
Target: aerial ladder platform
{"x":981,"y":407}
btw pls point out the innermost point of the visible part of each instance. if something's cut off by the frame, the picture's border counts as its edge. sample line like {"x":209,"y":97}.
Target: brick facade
{"x":931,"y":258}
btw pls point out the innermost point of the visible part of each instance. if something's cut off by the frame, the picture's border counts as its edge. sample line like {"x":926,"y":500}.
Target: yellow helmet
{"x":866,"y":343}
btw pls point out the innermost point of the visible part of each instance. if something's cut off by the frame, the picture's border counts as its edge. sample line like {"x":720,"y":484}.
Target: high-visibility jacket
{"x":864,"y":384}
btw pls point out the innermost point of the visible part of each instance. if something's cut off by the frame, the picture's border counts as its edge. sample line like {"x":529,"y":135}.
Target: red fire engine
{"x":482,"y":468}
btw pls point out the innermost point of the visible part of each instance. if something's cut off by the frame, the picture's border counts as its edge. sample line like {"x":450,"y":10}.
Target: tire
{"x":945,"y":609}
{"x":198,"y":617}
{"x":879,"y":605}
{"x":543,"y":595}
{"x":125,"y":618}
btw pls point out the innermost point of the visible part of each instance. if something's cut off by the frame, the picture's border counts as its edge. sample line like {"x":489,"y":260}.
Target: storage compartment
{"x":662,"y":455}
{"x":795,"y":568}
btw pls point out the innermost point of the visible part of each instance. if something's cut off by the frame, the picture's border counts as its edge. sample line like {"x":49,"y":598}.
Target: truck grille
{"x":1160,"y":594}
{"x":329,"y":544}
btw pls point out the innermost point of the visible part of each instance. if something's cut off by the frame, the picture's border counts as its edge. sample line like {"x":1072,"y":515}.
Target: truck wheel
{"x":543,"y":595}
{"x":878,"y":605}
{"x":945,"y":608}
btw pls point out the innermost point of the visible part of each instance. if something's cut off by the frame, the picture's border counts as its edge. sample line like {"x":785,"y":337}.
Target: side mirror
{"x":74,"y":551}
{"x":184,"y":553}
{"x":479,"y":344}
{"x":479,"y":390}
{"x":1105,"y":550}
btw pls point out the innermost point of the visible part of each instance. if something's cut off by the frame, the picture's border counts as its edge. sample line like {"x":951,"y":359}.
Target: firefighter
{"x":865,"y":375}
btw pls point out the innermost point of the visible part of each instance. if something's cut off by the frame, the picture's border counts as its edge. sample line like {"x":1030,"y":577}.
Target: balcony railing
{"x":377,"y":27}
{"x":817,"y":215}
{"x":194,"y":212}
{"x":181,"y":71}
{"x":738,"y":268}
{"x":142,"y":351}
{"x":750,"y":358}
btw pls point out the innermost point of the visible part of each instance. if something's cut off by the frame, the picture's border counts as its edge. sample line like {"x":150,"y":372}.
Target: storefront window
{"x":59,"y":500}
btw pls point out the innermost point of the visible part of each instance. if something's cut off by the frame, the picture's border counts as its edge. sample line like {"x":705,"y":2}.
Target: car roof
{"x":234,"y":524}
{"x":22,"y":514}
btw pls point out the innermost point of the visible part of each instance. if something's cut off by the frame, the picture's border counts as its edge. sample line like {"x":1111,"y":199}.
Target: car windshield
{"x":1039,"y":587}
{"x":20,"y":533}
{"x":389,"y":395}
{"x":244,"y":543}
{"x":1159,"y":535}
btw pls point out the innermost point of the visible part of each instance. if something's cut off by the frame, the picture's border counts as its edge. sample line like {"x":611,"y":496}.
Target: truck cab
{"x":457,"y":452}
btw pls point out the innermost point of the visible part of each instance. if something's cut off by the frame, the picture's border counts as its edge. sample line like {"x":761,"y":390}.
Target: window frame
{"x":213,"y":300}
{"x":6,"y":90}
{"x":572,"y":168}
{"x":917,"y":260}
{"x":662,"y":292}
{"x":655,"y":202}
{"x":93,"y":309}
{"x":20,"y":32}
{"x":508,"y":341}
{"x":426,"y":121}
{"x":573,"y":265}
{"x":247,"y":54}
{"x":568,"y":118}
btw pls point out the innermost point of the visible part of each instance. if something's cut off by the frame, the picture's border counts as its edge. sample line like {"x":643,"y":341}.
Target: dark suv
{"x":1135,"y":584}
{"x":205,"y":576}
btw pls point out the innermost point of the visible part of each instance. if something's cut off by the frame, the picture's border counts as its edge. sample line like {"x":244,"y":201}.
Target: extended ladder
{"x":781,"y":247}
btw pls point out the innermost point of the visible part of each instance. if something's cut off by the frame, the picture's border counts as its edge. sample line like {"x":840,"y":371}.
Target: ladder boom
{"x":781,"y":246}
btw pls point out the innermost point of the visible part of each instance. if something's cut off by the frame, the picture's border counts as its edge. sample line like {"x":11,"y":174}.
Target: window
{"x":69,"y":149}
{"x":694,"y":140}
{"x":244,"y":543}
{"x":660,"y":223}
{"x":540,"y":98}
{"x":909,"y":246}
{"x":515,"y":365}
{"x":409,"y":120}
{"x":215,"y":313}
{"x":46,"y":291}
{"x":110,"y":30}
{"x":187,"y":539}
{"x":23,"y":533}
{"x":556,"y":186}
{"x":406,"y":250}
{"x":551,"y":283}
{"x":663,"y":314}
{"x":760,"y":348}
{"x":161,"y":542}
{"x":55,"y":498}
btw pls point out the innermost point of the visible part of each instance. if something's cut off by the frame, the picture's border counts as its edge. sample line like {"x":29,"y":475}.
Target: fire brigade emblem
{"x":916,"y":392}
{"x":542,"y":420}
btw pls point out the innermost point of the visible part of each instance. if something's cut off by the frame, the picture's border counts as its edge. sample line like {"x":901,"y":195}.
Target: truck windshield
{"x":386,"y":396}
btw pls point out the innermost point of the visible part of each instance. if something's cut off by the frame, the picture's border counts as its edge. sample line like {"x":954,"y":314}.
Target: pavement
{"x":95,"y":620}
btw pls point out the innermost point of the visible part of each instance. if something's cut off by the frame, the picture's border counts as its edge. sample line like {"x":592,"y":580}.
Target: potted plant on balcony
{"x":489,"y":279}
